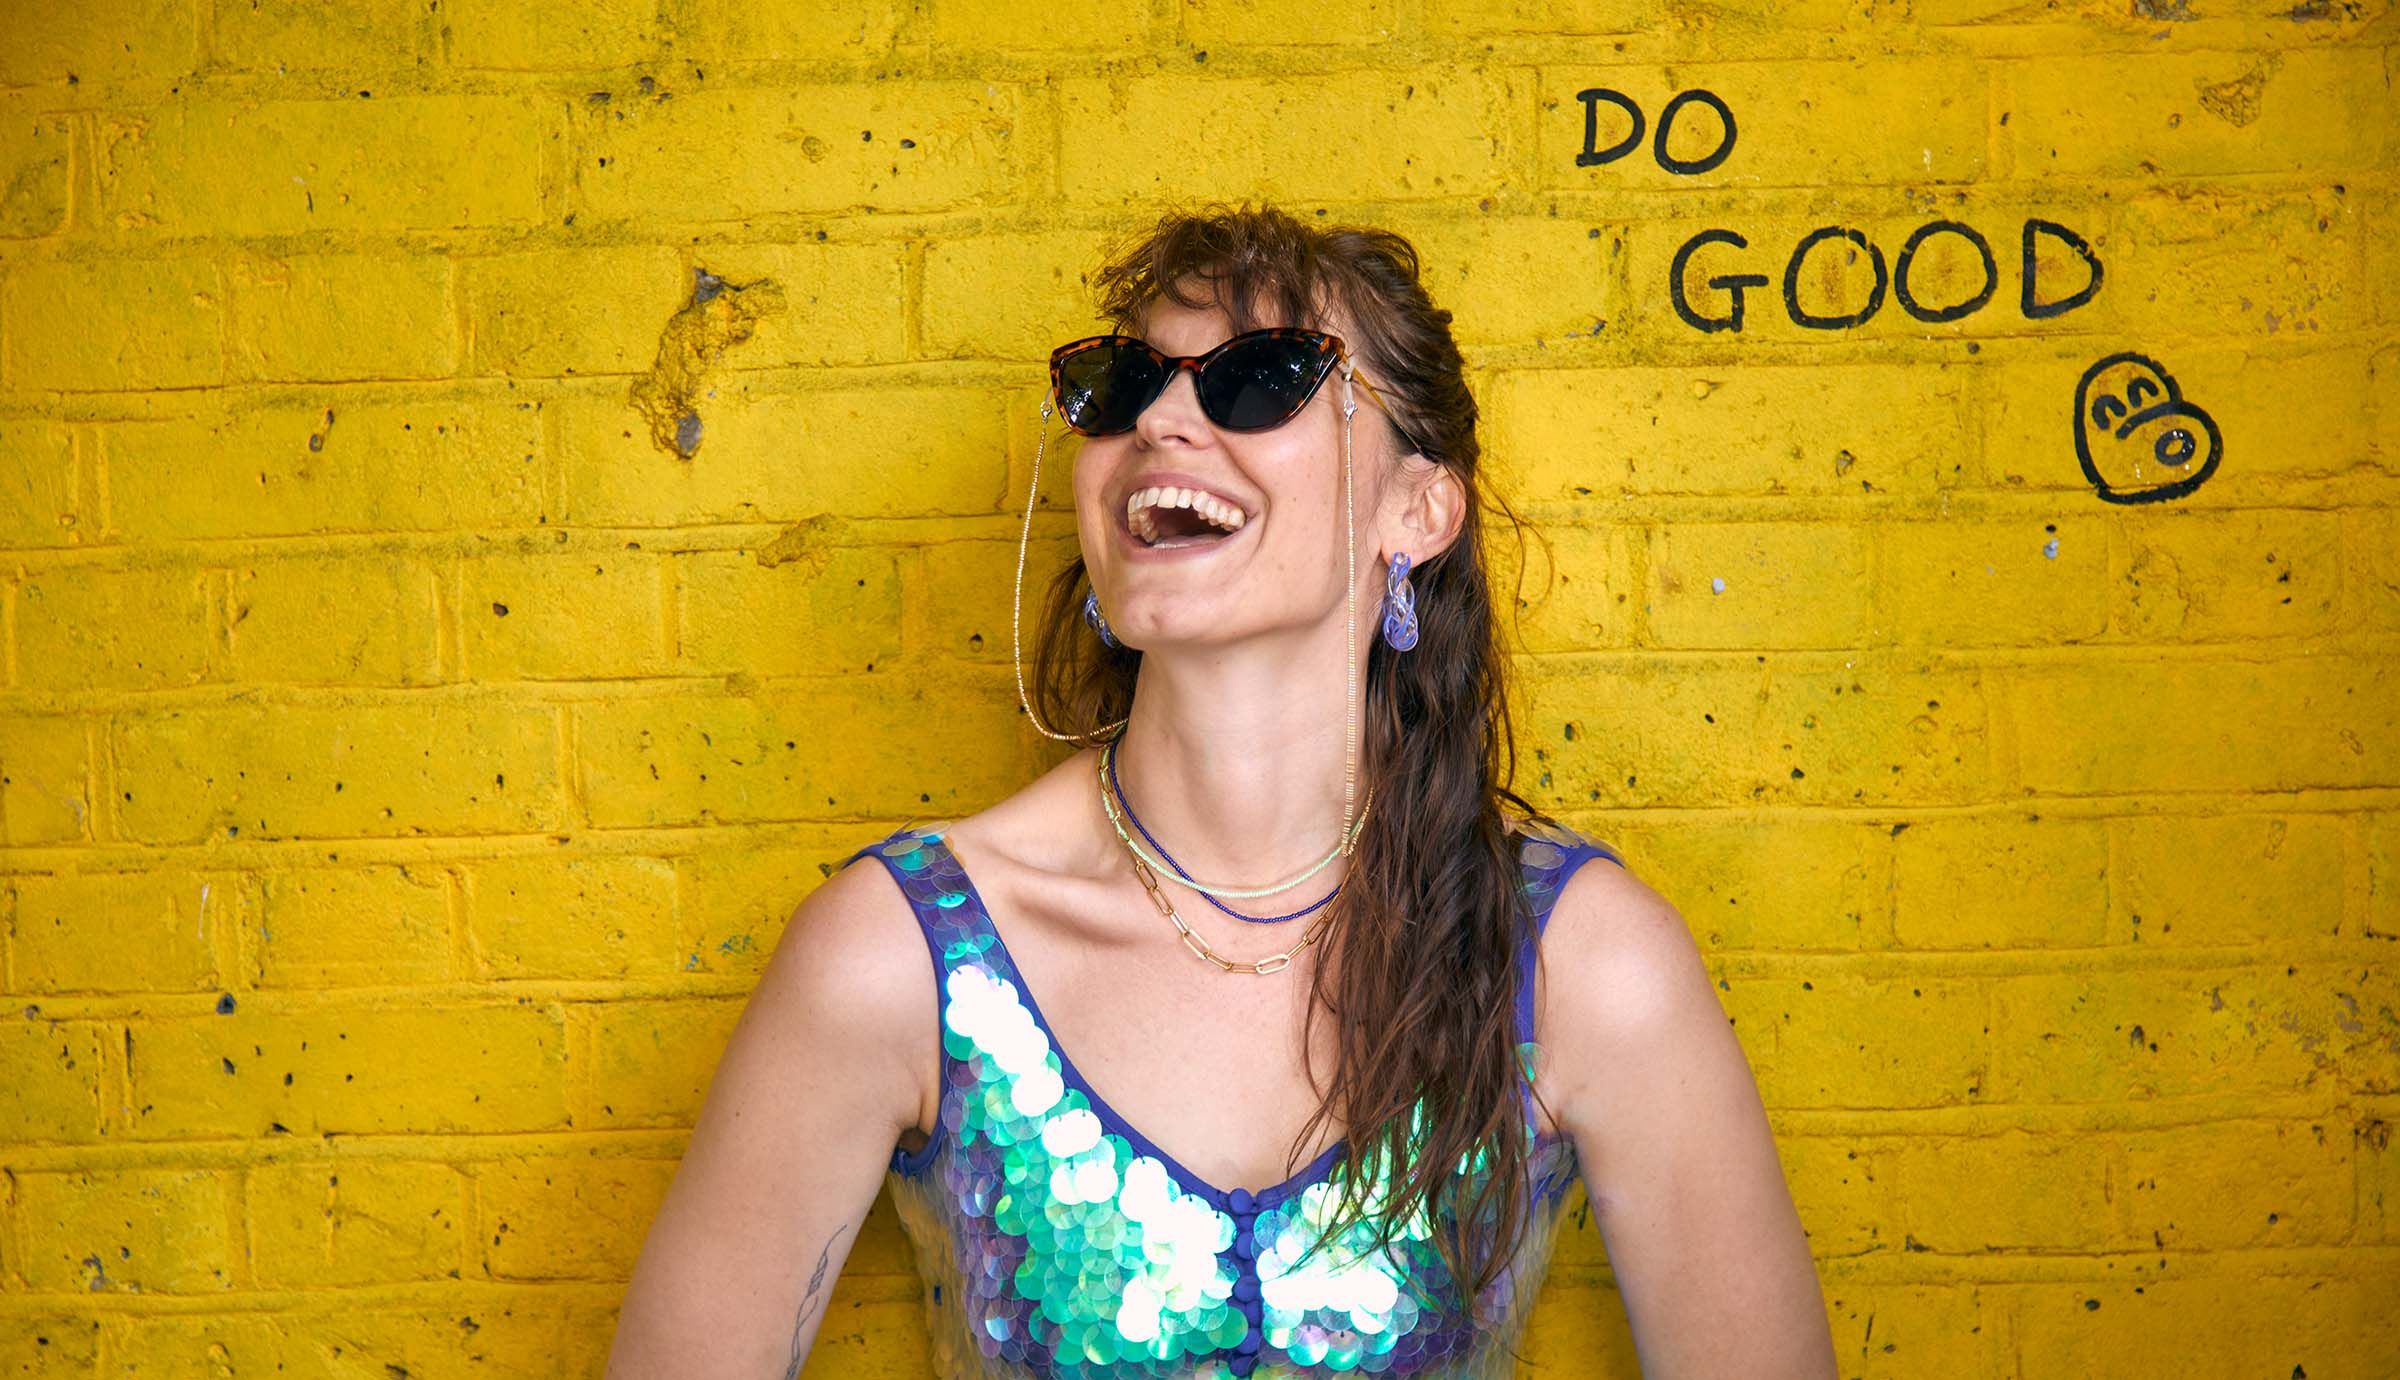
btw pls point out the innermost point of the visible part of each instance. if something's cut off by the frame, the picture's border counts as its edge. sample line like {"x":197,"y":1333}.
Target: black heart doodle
{"x":2156,"y":445}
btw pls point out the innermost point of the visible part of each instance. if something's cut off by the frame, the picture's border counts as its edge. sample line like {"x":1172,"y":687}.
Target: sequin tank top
{"x":1056,"y":1240}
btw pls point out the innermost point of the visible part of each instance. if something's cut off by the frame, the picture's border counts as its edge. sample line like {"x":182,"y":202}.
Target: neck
{"x":1234,"y":762}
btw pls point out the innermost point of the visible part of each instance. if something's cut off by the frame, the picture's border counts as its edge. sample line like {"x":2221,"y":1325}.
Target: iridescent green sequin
{"x":1056,"y":1242}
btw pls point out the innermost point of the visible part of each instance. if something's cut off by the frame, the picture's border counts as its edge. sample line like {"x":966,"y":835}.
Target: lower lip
{"x":1134,"y":545}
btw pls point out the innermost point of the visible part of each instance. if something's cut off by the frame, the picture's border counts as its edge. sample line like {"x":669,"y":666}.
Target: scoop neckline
{"x":1072,"y":1076}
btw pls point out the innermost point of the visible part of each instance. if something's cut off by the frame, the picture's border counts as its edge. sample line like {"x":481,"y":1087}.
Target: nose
{"x":1175,"y":413}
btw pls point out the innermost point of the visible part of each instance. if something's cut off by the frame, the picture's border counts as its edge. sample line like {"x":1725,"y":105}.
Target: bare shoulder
{"x":1623,"y":984}
{"x":851,"y":969}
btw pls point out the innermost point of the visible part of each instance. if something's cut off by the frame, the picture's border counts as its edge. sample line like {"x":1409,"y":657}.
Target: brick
{"x":470,"y":461}
{"x":530,"y":613}
{"x":2036,"y":581}
{"x":38,"y":502}
{"x":2012,"y":1190}
{"x":1823,"y":429}
{"x":1844,"y":1192}
{"x":34,"y":151}
{"x":342,"y":317}
{"x":312,"y":770}
{"x":652,"y":1060}
{"x":352,"y":1070}
{"x":328,"y":34}
{"x":112,"y":325}
{"x":138,"y":1231}
{"x":92,"y":628}
{"x":49,"y":1079}
{"x":353,"y":1222}
{"x":2000,"y":882}
{"x":2198,"y":114}
{"x":1572,"y":1321}
{"x":737,"y":154}
{"x":821,"y":611}
{"x":342,"y":619}
{"x":2243,"y":1322}
{"x":736,"y":901}
{"x":1858,"y":1042}
{"x":1899,"y":1329}
{"x":353,"y":927}
{"x":1421,"y":133}
{"x":2371,"y":568}
{"x":609,"y":33}
{"x":1515,"y":280}
{"x":88,"y":43}
{"x":1627,"y":715}
{"x":1899,"y":734}
{"x":2383,"y":874}
{"x":2331,"y":719}
{"x":467,"y":1334}
{"x":2378,"y":1180}
{"x":567,"y":1217}
{"x":957,"y":604}
{"x":2221,"y":577}
{"x":844,"y":30}
{"x":1010,"y":296}
{"x":2110,"y":1036}
{"x":2288,"y":883}
{"x":1259,"y":23}
{"x":842,"y":303}
{"x":2234,"y":263}
{"x":2240,"y":1185}
{"x":2025,"y":407}
{"x":1758,"y":584}
{"x":553,"y":312}
{"x":1787,"y":884}
{"x":903,"y":451}
{"x":1110,"y":26}
{"x":121,"y":931}
{"x":572,"y":917}
{"x":41,"y":1346}
{"x":45,"y":773}
{"x":1577,"y":594}
{"x":373,"y":164}
{"x":1808,"y":114}
{"x":1478,"y":17}
{"x":909,"y":748}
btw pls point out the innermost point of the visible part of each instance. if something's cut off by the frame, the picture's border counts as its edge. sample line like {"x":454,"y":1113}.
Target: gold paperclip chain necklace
{"x":1272,"y":963}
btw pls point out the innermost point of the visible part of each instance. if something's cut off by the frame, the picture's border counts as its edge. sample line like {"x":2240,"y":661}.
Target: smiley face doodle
{"x":2137,"y":438}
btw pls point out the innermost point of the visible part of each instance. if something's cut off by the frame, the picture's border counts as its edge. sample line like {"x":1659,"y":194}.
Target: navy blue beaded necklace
{"x":1119,"y":792}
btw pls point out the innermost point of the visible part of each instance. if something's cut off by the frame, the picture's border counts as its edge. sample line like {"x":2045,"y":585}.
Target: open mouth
{"x":1163,"y":516}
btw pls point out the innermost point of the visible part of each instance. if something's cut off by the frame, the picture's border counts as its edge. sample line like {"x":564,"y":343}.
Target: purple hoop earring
{"x":1099,"y":622}
{"x":1399,"y":605}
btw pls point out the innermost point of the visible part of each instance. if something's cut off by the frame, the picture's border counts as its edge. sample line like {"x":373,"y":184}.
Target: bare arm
{"x":1678,"y":1159}
{"x":789,"y":1151}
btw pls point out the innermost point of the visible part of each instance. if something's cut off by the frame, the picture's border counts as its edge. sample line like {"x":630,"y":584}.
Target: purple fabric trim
{"x":903,"y":1163}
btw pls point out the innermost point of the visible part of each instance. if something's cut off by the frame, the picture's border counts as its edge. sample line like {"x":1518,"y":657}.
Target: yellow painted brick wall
{"x":408,"y":757}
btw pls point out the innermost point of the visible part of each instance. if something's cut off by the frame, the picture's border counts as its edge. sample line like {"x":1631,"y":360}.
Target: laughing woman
{"x":1266,"y":1033}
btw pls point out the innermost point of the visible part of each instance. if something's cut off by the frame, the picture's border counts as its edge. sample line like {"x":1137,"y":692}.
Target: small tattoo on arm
{"x":808,"y":1306}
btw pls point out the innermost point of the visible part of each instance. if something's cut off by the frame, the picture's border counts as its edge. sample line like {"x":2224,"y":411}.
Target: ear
{"x":1431,"y":508}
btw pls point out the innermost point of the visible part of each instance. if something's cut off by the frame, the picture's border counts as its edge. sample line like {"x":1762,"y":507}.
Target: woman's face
{"x":1281,"y":567}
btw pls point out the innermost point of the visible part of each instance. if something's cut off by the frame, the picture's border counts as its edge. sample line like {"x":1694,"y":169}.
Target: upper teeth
{"x":1139,"y":509}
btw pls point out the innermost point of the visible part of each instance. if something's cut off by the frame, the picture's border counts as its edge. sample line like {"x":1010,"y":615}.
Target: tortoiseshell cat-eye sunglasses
{"x":1253,"y":382}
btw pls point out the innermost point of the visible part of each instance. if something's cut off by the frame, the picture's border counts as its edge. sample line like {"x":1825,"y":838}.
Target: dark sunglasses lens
{"x":1261,"y":383}
{"x":1102,"y":389}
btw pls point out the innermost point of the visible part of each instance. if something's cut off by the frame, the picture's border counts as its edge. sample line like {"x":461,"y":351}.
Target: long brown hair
{"x":1423,"y":974}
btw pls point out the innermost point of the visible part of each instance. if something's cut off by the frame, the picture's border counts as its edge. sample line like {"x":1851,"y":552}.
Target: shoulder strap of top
{"x":930,"y":877}
{"x":1548,"y":854}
